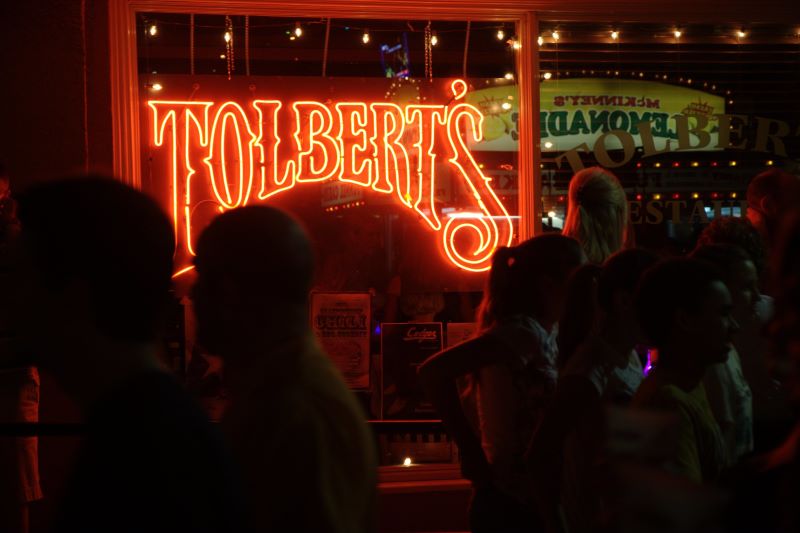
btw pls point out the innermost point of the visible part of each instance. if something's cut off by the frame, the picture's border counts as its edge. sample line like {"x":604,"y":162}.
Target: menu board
{"x":341,"y":323}
{"x":403,"y":348}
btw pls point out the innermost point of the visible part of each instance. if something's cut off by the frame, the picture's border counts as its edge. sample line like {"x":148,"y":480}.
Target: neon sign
{"x":234,"y":155}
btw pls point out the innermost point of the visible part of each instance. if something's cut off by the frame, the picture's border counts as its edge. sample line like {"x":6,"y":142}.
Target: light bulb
{"x":741,"y":34}
{"x":678,"y":34}
{"x":153,"y":30}
{"x":556,"y":35}
{"x":547,"y":75}
{"x":515,"y":44}
{"x":501,"y":35}
{"x":365,"y":37}
{"x":434,"y":40}
{"x":615,"y":35}
{"x":540,"y":40}
{"x":506,"y":106}
{"x":509,"y":76}
{"x":298,"y":31}
{"x":228,"y":36}
{"x":157,"y":87}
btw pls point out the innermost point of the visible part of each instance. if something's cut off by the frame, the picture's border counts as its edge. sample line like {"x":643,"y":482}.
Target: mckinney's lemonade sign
{"x":581,"y":110}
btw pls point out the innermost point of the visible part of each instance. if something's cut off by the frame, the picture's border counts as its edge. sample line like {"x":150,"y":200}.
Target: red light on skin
{"x":232,"y":155}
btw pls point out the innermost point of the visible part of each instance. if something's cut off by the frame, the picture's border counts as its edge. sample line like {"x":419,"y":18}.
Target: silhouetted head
{"x":254,"y":271}
{"x":770,"y":195}
{"x":604,"y":293}
{"x":597,"y":214}
{"x":530,"y":279}
{"x":685,"y":311}
{"x":739,"y":274}
{"x":94,"y":258}
{"x":740,"y":232}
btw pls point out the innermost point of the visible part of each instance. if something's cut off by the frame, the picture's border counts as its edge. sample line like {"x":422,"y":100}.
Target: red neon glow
{"x":230,"y":155}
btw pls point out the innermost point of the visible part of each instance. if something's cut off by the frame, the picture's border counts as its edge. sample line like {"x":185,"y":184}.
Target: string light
{"x":506,"y":106}
{"x":227,"y":36}
{"x":770,"y":162}
{"x":741,"y":34}
{"x":298,"y":30}
{"x":365,"y":37}
{"x":156,"y":86}
{"x":515,"y":44}
{"x":153,"y":30}
{"x":548,"y":75}
{"x":556,"y":35}
{"x":434,"y":40}
{"x":677,"y":34}
{"x":501,"y":35}
{"x":695,"y":196}
{"x":615,"y":35}
{"x":540,"y":40}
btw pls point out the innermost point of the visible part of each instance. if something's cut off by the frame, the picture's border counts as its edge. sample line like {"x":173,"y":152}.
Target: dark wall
{"x":42,"y":59}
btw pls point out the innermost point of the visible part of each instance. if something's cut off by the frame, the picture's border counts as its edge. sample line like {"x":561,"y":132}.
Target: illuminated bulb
{"x":732,"y":163}
{"x":695,"y":196}
{"x":770,"y":162}
{"x":656,"y":196}
{"x":509,"y":76}
{"x":540,"y":40}
{"x":434,"y":40}
{"x":222,"y":56}
{"x":298,"y":31}
{"x":551,"y":214}
{"x":741,"y":34}
{"x":153,"y":30}
{"x":730,"y":102}
{"x":689,"y":81}
{"x":365,"y":37}
{"x":733,"y":195}
{"x":678,"y":34}
{"x":407,"y":461}
{"x":556,"y":35}
{"x":227,"y":36}
{"x":157,"y":87}
{"x":501,"y":35}
{"x":506,"y":106}
{"x":547,"y":75}
{"x":657,"y":165}
{"x":695,"y":164}
{"x":615,"y":35}
{"x":515,"y":45}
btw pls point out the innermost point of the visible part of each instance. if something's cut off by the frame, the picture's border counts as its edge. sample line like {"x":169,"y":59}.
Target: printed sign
{"x":458,"y":332}
{"x":341,"y":322}
{"x":403,"y":348}
{"x":580,"y":110}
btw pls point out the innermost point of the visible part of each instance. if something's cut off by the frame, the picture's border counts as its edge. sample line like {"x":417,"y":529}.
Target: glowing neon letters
{"x":228,"y":156}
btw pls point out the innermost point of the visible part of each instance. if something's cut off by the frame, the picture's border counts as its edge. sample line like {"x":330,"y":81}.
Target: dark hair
{"x":114,"y":238}
{"x":261,"y":249}
{"x":592,"y":289}
{"x":770,"y":183}
{"x":512,"y":285}
{"x":671,"y":285}
{"x":784,"y":329}
{"x":721,"y":256}
{"x":737,"y":231}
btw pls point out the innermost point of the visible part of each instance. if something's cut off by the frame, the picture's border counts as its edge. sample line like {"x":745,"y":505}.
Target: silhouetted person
{"x":685,"y":311}
{"x":91,"y":277}
{"x":296,"y":429}
{"x":727,"y":389}
{"x":566,"y":453}
{"x":491,"y":391}
{"x":770,"y":195}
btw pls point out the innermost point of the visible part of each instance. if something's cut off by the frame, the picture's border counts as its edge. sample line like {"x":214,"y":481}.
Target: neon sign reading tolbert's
{"x":367,"y":144}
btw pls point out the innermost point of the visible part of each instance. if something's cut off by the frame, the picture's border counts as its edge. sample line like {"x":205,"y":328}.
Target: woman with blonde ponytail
{"x":597,"y":214}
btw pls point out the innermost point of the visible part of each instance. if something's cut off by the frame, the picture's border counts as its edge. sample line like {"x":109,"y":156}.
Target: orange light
{"x":240,"y":156}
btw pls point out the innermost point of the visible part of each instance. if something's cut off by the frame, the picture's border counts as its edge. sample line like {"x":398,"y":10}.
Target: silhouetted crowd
{"x":607,"y":388}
